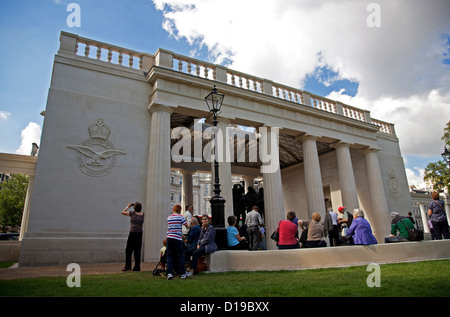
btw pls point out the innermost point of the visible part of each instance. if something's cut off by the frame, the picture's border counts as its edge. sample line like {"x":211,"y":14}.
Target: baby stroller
{"x":160,"y":269}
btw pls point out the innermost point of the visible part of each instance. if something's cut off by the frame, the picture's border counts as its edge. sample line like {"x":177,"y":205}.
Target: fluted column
{"x":378,"y":215}
{"x":423,"y":213}
{"x":26,"y":207}
{"x":187,"y":189}
{"x":158,"y":182}
{"x":226,"y":184}
{"x":346,"y":176}
{"x":273,"y":192}
{"x":313,"y":177}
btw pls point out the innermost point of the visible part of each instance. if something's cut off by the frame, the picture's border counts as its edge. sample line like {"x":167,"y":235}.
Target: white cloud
{"x":419,"y":119}
{"x":398,"y":66}
{"x":415,"y":177}
{"x":4,"y":115}
{"x":31,"y":134}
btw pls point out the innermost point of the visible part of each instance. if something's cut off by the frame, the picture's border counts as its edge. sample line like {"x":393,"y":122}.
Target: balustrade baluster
{"x":189,"y":66}
{"x":120,"y":58}
{"x":86,"y":50}
{"x":110,"y":52}
{"x":99,"y":52}
{"x":131,"y":60}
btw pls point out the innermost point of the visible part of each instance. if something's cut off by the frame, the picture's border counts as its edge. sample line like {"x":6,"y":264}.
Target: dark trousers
{"x":195,"y":256}
{"x":134,"y":245}
{"x":441,"y":229}
{"x":315,"y":244}
{"x":334,"y":236}
{"x":175,"y":254}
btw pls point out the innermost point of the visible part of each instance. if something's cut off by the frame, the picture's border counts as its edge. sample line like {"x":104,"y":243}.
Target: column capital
{"x":154,"y":107}
{"x":370,"y":150}
{"x":339,"y":144}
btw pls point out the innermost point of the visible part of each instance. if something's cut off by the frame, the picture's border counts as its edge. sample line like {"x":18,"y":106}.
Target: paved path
{"x":61,"y":270}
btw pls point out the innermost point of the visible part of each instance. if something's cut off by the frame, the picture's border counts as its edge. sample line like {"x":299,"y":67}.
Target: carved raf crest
{"x":96,"y":156}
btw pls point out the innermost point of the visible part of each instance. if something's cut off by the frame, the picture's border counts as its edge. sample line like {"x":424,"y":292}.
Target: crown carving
{"x":99,"y":130}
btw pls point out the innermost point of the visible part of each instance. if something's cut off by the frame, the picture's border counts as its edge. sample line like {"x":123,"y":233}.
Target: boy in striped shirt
{"x":175,"y":250}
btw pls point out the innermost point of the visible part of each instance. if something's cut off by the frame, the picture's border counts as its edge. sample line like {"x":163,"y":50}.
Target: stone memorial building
{"x":118,"y":121}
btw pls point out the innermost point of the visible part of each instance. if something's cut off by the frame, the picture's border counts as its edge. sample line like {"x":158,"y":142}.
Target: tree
{"x":12,"y":199}
{"x":438,"y":173}
{"x":446,"y":137}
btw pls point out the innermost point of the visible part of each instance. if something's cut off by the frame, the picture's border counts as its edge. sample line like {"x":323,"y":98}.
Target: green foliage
{"x":12,"y":199}
{"x":446,"y":136}
{"x":439,"y":173}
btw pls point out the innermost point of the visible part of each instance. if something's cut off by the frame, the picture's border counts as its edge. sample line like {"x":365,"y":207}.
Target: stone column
{"x":273,"y":191}
{"x":226,"y":184}
{"x":447,"y":206}
{"x":313,"y":177}
{"x":187,"y":191}
{"x":26,"y":208}
{"x":248,"y":181}
{"x":158,"y":182}
{"x":423,"y":213}
{"x":378,"y":216}
{"x":346,"y":176}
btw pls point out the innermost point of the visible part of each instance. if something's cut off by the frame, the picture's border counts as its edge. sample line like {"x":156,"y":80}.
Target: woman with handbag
{"x":288,"y":233}
{"x":438,"y":217}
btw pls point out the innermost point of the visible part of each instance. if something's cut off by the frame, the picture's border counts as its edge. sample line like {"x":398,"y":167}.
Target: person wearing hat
{"x":346,"y":221}
{"x":400,"y":224}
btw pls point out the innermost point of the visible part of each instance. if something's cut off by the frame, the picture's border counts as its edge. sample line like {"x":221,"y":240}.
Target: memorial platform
{"x":342,"y":256}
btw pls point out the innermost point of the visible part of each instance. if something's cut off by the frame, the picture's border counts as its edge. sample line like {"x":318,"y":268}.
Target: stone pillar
{"x":158,"y":182}
{"x":378,"y":216}
{"x":273,"y":192}
{"x":26,"y":208}
{"x":447,"y":205}
{"x":226,"y":184}
{"x":313,"y":177}
{"x":248,"y":181}
{"x":187,"y":191}
{"x":423,"y":213}
{"x":346,"y":176}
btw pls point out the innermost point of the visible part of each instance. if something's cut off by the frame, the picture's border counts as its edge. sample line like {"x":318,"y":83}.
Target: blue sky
{"x":330,"y":51}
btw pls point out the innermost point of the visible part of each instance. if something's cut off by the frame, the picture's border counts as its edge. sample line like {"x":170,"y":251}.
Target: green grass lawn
{"x":419,"y":279}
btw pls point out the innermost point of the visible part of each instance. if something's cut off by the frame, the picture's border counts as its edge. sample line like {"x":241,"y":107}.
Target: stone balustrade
{"x":180,"y":63}
{"x":104,"y":52}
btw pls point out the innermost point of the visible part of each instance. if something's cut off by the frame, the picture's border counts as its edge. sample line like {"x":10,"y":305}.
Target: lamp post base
{"x":218,"y":221}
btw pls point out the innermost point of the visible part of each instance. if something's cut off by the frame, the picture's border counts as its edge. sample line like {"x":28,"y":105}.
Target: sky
{"x":391,"y":57}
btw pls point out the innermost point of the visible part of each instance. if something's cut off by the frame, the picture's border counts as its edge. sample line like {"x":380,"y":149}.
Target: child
{"x":162,"y":255}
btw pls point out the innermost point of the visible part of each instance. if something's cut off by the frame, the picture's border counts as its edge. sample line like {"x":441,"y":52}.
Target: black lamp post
{"x":214,"y":101}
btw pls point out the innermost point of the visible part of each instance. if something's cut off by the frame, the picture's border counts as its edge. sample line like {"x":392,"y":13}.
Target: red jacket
{"x":288,"y":232}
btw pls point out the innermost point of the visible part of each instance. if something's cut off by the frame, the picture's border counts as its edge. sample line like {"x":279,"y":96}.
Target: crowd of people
{"x":187,"y":240}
